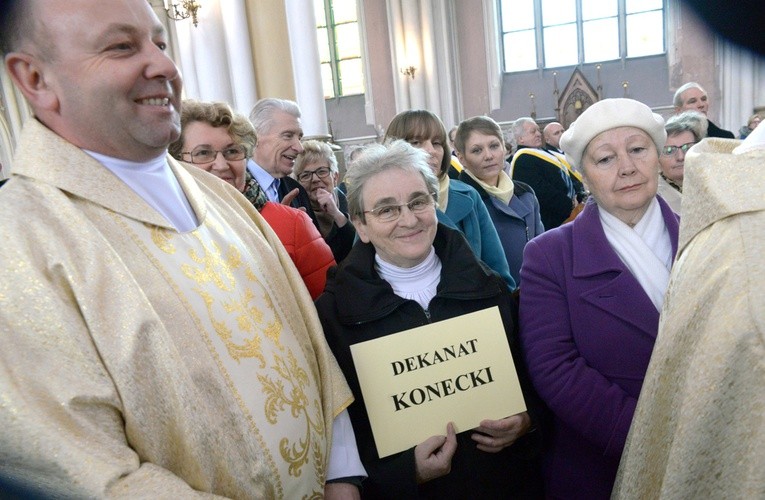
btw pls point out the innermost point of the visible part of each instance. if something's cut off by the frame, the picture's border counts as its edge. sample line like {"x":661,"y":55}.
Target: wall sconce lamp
{"x":183,"y":10}
{"x":533,"y":98}
{"x":625,"y":86}
{"x":409,"y":71}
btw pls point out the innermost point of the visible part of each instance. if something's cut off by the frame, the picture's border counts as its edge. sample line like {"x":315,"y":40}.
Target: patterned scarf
{"x":254,"y":193}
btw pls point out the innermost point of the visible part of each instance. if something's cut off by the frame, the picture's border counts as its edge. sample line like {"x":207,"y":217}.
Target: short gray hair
{"x":687,"y":121}
{"x":314,"y":151}
{"x":678,"y":99}
{"x":380,"y":158}
{"x":517,"y":126}
{"x":262,"y":114}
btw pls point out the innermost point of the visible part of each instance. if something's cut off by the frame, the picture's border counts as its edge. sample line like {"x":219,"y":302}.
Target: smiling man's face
{"x":110,"y":85}
{"x":279,"y":146}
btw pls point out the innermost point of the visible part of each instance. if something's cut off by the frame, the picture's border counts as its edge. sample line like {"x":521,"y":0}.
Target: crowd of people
{"x":184,"y":287}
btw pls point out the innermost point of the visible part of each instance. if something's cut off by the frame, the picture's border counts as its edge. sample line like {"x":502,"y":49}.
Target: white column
{"x":215,"y":57}
{"x":399,"y":57}
{"x":422,"y":36}
{"x":741,"y":75}
{"x":491,"y":37}
{"x":445,"y":53}
{"x":304,"y":47}
{"x":14,"y":111}
{"x":239,"y":55}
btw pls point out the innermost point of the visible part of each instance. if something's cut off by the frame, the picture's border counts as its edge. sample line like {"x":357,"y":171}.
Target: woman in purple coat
{"x":592,"y":293}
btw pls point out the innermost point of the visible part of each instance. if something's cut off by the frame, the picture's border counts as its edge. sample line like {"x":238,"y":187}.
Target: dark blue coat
{"x":516,"y":223}
{"x":466,"y":212}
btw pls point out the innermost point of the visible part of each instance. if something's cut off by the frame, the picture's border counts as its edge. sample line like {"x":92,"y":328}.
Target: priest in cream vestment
{"x":136,"y":358}
{"x":699,"y":427}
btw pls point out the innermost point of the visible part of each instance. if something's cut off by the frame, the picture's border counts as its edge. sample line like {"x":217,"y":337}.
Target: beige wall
{"x":692,"y":55}
{"x":471,"y":48}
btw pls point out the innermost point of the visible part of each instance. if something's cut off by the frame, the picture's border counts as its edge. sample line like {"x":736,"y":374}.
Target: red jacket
{"x":303,"y":243}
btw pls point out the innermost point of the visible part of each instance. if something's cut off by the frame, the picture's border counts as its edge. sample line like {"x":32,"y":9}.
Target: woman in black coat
{"x":408,"y":271}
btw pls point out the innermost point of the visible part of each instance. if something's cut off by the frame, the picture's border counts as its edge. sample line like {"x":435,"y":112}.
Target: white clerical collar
{"x":155,"y":182}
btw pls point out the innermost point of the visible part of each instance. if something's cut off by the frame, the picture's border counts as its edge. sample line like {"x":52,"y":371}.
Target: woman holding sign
{"x":592,"y":292}
{"x":408,"y":271}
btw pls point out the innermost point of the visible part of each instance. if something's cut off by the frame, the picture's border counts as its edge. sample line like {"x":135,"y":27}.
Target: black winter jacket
{"x":358,"y":305}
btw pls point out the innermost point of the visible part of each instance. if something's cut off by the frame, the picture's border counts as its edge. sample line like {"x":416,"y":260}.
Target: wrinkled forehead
{"x":92,"y":20}
{"x":530,"y":128}
{"x":616,"y":138}
{"x":283,"y":122}
{"x":394,"y":182}
{"x":693,"y":92}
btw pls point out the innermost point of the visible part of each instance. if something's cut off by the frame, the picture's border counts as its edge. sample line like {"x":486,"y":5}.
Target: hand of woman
{"x":326,"y":201}
{"x":328,"y":204}
{"x":433,"y":457}
{"x":494,"y":435}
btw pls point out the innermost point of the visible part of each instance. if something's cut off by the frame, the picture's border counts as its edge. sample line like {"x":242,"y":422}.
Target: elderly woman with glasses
{"x":407,"y":271}
{"x":592,"y":293}
{"x":215,"y":139}
{"x":316,"y":170}
{"x":683,"y":132}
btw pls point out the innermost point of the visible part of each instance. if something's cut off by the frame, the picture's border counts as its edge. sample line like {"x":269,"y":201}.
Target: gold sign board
{"x":416,"y":381}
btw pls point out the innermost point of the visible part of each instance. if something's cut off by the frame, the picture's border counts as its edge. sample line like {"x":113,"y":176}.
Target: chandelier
{"x":183,"y":10}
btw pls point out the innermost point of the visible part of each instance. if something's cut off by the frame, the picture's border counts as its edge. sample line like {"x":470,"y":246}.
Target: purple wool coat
{"x":587,"y":330}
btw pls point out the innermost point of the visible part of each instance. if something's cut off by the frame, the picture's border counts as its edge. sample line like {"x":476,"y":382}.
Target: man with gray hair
{"x":277,"y":123}
{"x":693,"y":97}
{"x":548,"y":174}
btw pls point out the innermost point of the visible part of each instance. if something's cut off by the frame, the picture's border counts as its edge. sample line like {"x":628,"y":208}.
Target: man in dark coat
{"x":277,"y":123}
{"x":545,"y":172}
{"x":693,"y":97}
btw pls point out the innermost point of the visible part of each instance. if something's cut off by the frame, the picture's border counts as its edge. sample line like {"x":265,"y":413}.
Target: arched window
{"x":554,"y":33}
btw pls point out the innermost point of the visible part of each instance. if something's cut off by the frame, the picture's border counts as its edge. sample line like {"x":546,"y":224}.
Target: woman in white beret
{"x":592,"y":292}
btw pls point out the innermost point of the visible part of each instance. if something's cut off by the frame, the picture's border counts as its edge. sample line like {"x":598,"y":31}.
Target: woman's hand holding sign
{"x":433,"y":457}
{"x":494,"y":435}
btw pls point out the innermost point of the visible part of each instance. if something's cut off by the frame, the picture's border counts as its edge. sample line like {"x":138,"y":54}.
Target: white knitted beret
{"x":605,"y":115}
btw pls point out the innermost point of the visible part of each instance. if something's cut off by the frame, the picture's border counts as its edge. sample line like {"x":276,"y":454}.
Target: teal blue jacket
{"x":467,"y":213}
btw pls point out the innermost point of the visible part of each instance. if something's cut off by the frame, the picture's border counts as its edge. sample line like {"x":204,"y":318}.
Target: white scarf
{"x":418,"y":283}
{"x":646,"y":249}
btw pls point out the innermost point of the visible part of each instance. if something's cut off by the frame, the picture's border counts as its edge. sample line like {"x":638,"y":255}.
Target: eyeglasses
{"x":203,"y":154}
{"x":307,"y":175}
{"x":671,"y":150}
{"x":390,"y":213}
